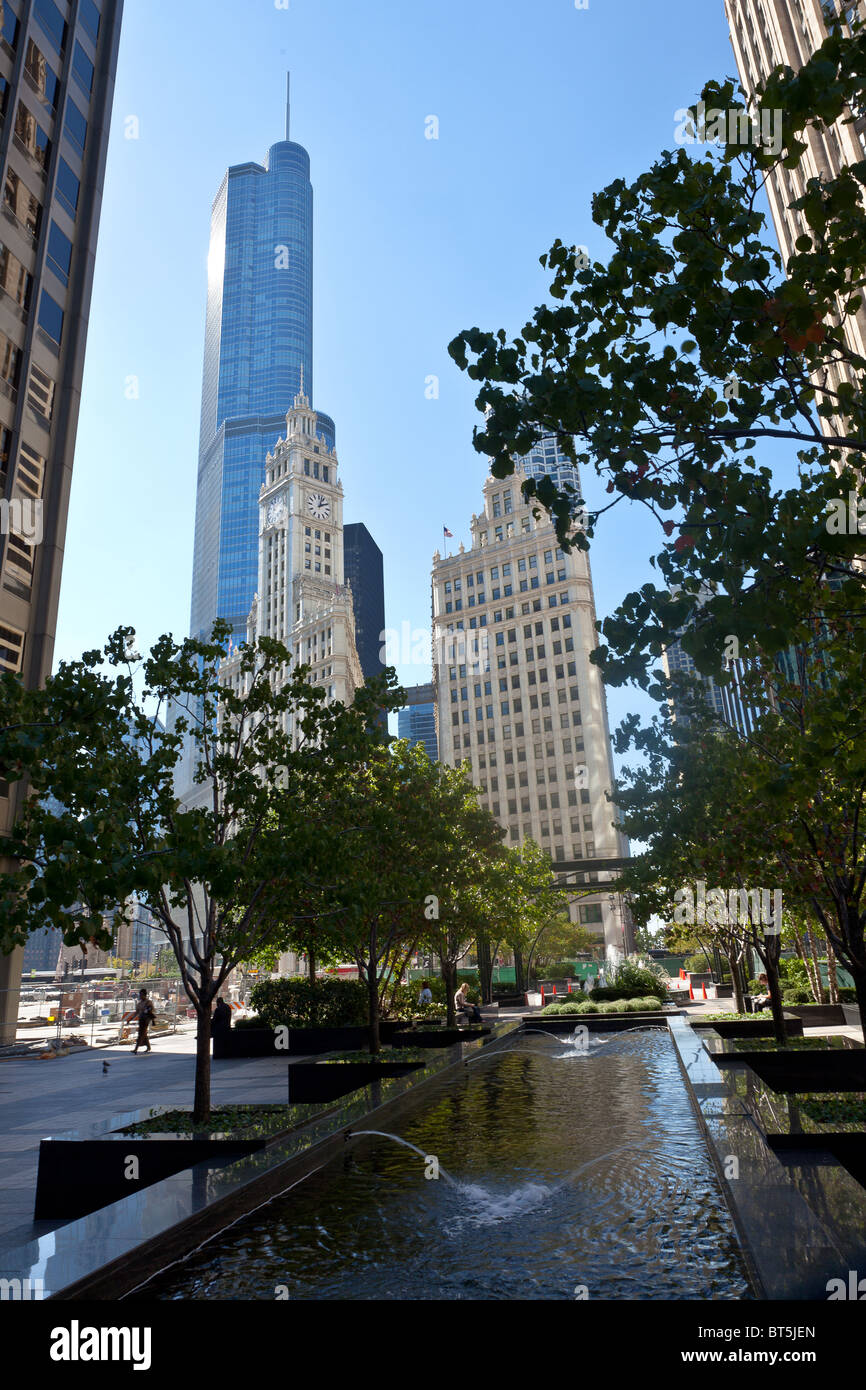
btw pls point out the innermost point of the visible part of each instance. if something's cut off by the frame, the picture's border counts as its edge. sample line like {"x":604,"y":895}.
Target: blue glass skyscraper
{"x":547,"y":459}
{"x":258,"y":356}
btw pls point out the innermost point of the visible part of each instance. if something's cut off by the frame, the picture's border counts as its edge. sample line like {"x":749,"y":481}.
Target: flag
{"x":446,"y":532}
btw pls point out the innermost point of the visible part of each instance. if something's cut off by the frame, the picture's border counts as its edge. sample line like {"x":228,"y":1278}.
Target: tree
{"x":664,"y":369}
{"x":216,"y":877}
{"x":562,"y":940}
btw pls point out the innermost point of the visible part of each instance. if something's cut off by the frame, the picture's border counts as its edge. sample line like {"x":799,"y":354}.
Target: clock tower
{"x":302,"y":599}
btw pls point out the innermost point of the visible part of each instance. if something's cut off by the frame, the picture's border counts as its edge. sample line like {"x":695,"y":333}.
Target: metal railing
{"x":93,"y":1011}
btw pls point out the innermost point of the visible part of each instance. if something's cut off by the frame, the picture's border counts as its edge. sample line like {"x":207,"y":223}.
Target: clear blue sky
{"x":539,"y":105}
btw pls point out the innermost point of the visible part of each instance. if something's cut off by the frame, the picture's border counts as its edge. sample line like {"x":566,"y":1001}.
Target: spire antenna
{"x":288,"y":105}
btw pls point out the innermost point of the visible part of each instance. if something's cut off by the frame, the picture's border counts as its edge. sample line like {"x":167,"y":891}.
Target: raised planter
{"x":602,"y":1023}
{"x":818,"y":1015}
{"x":312,"y":1083}
{"x":791,"y":1071}
{"x":302,"y":1042}
{"x":748,"y":1027}
{"x":243,"y":1042}
{"x":437,"y":1037}
{"x":78,"y":1176}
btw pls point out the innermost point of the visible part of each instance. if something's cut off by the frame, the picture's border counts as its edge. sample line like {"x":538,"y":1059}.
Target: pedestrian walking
{"x":144,"y":1015}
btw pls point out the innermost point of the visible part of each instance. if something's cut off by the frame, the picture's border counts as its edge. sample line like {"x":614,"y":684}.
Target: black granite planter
{"x":437,"y":1037}
{"x":820,"y":1071}
{"x":78,"y":1176}
{"x":748,"y":1027}
{"x":601,"y":1023}
{"x":312,"y":1083}
{"x":818,"y":1015}
{"x":244,"y":1042}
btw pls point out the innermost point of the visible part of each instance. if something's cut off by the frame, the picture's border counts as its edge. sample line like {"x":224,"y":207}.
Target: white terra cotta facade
{"x":517,"y":698}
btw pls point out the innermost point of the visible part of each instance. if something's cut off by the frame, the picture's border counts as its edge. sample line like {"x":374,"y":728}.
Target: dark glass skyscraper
{"x":362,"y":566}
{"x":258,"y":356}
{"x":417,"y":720}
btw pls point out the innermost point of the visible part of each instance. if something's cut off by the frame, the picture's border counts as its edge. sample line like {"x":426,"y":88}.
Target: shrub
{"x":403,"y":1005}
{"x":797,"y":996}
{"x":550,"y":1009}
{"x":254,"y":1022}
{"x":572,"y":1008}
{"x":609,"y":1008}
{"x":586,"y":1007}
{"x":605,"y":993}
{"x":847,"y":996}
{"x":641,"y":974}
{"x":697,"y":964}
{"x":331,"y":1003}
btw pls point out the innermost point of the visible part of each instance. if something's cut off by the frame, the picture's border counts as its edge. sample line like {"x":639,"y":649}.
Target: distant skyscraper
{"x":546,"y":458}
{"x":57,"y":70}
{"x":258,"y":356}
{"x":362,"y":560}
{"x":417,"y":720}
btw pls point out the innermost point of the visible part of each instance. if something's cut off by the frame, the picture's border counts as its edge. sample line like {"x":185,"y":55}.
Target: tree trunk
{"x":736,"y":983}
{"x":770,"y":955}
{"x":821,"y":996}
{"x":201,"y":1101}
{"x":832,"y":977}
{"x":373,"y":1004}
{"x":448,"y":970}
{"x":485,"y":967}
{"x":519,"y":976}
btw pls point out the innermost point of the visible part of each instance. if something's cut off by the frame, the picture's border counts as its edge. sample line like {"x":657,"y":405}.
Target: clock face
{"x":276,"y":510}
{"x":318,"y":506}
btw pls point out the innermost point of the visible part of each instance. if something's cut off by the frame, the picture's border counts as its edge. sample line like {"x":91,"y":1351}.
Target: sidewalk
{"x":39,"y":1098}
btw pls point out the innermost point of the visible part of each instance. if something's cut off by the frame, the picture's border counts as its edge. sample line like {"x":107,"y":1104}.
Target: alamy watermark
{"x":414,"y":646}
{"x":733,"y":127}
{"x":22,"y":516}
{"x":721,"y":907}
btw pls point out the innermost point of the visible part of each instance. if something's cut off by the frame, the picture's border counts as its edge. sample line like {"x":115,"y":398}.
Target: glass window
{"x":50,"y":317}
{"x":24,"y":204}
{"x":10,"y":361}
{"x":59,"y":255}
{"x":14,"y":279}
{"x":75,"y":125}
{"x":82,"y":70}
{"x":31,"y":135}
{"x":10,"y":25}
{"x":40,"y":391}
{"x":42,"y":74}
{"x":52,"y":22}
{"x":88,"y":13}
{"x":67,"y":187}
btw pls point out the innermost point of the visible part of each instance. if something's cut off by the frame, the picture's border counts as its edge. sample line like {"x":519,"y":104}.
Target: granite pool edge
{"x":109,"y":1254}
{"x":789,"y":1252}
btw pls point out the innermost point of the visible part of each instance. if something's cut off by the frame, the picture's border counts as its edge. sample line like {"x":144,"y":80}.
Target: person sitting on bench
{"x":463,"y":1006}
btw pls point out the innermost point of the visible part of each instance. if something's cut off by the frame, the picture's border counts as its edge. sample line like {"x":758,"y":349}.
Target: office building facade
{"x":416,"y":721}
{"x":517,"y":698}
{"x":763,"y":34}
{"x":58,"y":60}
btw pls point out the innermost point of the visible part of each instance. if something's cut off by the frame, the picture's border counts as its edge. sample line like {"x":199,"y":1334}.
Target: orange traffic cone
{"x":691,"y":989}
{"x":704,"y":988}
